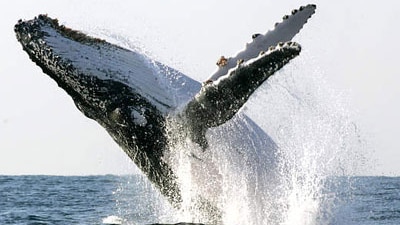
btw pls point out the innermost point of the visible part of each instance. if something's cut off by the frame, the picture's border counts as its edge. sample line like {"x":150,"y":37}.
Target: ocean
{"x":132,"y":200}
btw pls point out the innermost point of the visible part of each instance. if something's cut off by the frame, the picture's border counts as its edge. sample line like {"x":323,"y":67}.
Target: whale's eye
{"x":254,"y":36}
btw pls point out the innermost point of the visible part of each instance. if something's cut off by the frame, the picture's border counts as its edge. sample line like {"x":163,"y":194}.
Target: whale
{"x":151,"y":109}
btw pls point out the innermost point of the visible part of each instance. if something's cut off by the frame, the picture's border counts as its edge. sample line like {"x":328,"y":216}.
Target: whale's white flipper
{"x":283,"y":32}
{"x":219,"y":101}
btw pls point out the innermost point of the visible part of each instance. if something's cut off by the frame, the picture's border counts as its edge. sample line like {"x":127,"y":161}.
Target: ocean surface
{"x":131,"y":200}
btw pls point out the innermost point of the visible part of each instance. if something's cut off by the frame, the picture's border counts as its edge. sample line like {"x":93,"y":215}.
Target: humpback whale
{"x":135,"y":98}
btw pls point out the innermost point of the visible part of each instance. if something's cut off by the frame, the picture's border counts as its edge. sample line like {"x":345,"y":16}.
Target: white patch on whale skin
{"x":109,"y":62}
{"x":163,"y":86}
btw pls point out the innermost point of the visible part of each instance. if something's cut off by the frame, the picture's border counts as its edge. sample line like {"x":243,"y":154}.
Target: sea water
{"x":77,"y":200}
{"x":93,"y":199}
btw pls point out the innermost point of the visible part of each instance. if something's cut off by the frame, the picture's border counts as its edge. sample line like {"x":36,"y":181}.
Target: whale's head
{"x":108,"y":94}
{"x":100,"y":93}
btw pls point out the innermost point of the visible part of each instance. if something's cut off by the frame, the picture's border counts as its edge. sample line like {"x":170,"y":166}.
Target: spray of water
{"x":274,"y":170}
{"x":280,"y":179}
{"x":316,"y":137}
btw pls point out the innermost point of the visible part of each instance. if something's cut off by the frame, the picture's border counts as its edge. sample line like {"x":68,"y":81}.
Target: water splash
{"x":318,"y":140}
{"x":114,"y":220}
{"x":233,"y":180}
{"x":277,"y":175}
{"x":313,"y":140}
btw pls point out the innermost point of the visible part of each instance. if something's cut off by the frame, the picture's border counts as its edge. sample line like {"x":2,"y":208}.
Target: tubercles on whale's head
{"x":222,"y":61}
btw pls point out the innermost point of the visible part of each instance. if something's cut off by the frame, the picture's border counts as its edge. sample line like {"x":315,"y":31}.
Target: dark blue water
{"x":91,"y":199}
{"x":74,"y":199}
{"x":56,"y":200}
{"x":373,"y":200}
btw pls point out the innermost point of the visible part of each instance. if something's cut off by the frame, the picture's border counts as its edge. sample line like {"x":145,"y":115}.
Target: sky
{"x":41,"y":132}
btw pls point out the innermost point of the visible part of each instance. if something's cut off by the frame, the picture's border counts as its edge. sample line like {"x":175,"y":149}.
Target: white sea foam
{"x":112,"y":220}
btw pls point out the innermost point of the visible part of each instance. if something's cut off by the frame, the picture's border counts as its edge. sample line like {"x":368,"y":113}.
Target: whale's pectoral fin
{"x":283,"y":31}
{"x":237,"y":77}
{"x":219,"y":101}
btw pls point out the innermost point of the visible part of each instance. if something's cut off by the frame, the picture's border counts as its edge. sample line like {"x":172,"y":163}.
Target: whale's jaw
{"x":123,"y":90}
